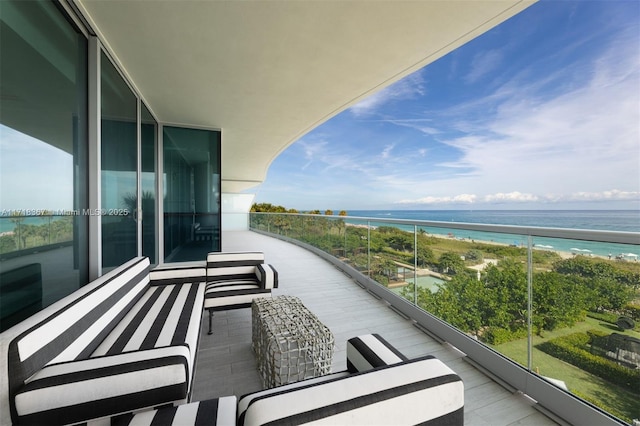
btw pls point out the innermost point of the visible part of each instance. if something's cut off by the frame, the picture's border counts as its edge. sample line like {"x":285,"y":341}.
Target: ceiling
{"x":267,"y":72}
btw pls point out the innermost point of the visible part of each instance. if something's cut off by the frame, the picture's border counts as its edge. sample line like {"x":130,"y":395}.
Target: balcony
{"x":226,"y":364}
{"x":542,"y":305}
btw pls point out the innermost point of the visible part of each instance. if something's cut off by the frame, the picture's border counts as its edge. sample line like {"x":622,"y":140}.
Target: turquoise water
{"x":6,"y":225}
{"x":608,"y":220}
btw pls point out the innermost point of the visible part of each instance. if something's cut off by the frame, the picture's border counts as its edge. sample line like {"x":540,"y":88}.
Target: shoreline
{"x":564,"y":254}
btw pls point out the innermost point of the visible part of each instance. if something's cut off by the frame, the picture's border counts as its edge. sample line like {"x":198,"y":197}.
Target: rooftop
{"x":226,"y":364}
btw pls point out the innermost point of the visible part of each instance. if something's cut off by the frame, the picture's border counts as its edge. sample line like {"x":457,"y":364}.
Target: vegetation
{"x":575,"y":349}
{"x":51,"y":230}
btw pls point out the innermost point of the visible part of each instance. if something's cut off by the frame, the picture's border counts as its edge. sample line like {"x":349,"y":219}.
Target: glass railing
{"x":540,"y":308}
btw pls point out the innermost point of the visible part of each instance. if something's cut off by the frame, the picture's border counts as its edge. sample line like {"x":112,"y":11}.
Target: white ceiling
{"x":267,"y":72}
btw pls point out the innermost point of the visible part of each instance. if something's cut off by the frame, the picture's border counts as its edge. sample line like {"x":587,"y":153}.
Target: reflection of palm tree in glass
{"x":131,"y":202}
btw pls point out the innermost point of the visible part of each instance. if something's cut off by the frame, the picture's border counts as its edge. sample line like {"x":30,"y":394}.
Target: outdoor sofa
{"x":124,"y":342}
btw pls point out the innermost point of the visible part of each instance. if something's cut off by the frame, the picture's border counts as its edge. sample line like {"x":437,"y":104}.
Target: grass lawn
{"x":617,"y":400}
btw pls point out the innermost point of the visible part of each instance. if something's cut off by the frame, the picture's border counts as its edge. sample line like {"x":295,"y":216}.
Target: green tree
{"x":558,"y":301}
{"x":267,"y":208}
{"x":451,"y":263}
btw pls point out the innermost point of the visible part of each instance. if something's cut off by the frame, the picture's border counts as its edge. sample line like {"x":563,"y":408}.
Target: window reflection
{"x":118,"y":170}
{"x":43,"y":133}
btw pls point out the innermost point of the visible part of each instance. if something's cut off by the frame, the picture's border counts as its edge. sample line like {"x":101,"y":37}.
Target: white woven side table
{"x":289,"y":341}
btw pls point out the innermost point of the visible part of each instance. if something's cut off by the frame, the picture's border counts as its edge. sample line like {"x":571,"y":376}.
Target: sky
{"x":541,"y":112}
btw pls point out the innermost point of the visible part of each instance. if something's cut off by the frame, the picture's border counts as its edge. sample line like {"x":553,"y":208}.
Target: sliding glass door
{"x":119,"y":166}
{"x":191,"y":182}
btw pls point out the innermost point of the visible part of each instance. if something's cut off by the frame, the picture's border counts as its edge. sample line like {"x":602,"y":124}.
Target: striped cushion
{"x":78,"y":323}
{"x":267,"y":276}
{"x":175,"y":274}
{"x":241,"y":265}
{"x":213,"y":412}
{"x":220,"y":295}
{"x":370,"y":351}
{"x":97,"y":387}
{"x":230,"y":258}
{"x":245,"y":400}
{"x":166,"y":315}
{"x":413,"y":392}
{"x":234,"y":279}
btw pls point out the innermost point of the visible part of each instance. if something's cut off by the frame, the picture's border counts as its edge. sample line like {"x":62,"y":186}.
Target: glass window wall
{"x":43,"y":158}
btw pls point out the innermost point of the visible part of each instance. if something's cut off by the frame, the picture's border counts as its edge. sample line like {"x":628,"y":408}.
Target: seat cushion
{"x":212,"y":412}
{"x":370,"y":351}
{"x":414,"y":392}
{"x":75,"y":391}
{"x":228,"y":294}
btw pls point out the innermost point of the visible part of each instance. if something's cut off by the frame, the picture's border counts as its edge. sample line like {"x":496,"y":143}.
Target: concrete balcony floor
{"x":226,"y":364}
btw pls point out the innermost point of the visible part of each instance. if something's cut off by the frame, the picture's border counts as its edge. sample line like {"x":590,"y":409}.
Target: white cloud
{"x":386,"y":152}
{"x":409,"y":87}
{"x":612,"y":195}
{"x":458,"y":199}
{"x":516,"y":197}
{"x":483,"y":64}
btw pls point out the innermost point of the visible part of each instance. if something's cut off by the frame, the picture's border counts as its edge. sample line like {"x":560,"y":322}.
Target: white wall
{"x":235,"y":211}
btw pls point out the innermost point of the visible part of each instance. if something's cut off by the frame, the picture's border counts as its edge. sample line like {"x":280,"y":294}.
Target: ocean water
{"x":607,"y":220}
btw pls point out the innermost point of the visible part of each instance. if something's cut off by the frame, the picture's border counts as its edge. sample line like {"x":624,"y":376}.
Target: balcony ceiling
{"x":267,"y":72}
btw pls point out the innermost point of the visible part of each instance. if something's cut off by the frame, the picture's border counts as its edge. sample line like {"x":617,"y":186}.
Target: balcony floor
{"x":226,"y":364}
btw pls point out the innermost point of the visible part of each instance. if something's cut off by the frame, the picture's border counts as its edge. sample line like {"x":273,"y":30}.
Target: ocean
{"x":606,"y":220}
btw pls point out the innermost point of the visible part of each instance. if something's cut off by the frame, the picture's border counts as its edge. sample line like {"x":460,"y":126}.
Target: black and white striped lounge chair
{"x":234,"y":279}
{"x":381,"y":387}
{"x":120,"y":344}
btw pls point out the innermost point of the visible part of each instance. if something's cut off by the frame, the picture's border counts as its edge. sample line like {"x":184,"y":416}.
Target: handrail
{"x":618,"y":237}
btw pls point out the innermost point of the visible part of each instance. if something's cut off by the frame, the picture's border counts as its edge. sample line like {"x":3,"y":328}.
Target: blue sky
{"x":542,"y":112}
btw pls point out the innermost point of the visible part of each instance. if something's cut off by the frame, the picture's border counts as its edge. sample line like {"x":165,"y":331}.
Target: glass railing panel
{"x":586,"y":321}
{"x":356,"y":246}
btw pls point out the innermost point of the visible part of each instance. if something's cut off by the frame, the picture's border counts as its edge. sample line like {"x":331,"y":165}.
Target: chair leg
{"x":210,"y":318}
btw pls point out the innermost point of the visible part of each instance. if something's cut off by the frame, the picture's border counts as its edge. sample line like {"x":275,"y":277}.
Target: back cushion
{"x":370,"y":351}
{"x":231,"y":265}
{"x":414,"y":392}
{"x":76,"y":329}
